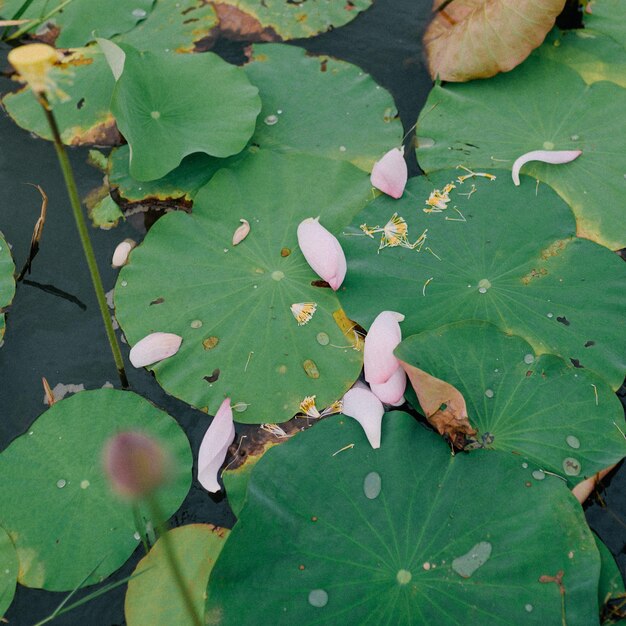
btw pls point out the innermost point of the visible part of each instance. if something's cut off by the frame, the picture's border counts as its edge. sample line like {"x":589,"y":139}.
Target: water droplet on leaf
{"x":318,"y":598}
{"x":372,"y":485}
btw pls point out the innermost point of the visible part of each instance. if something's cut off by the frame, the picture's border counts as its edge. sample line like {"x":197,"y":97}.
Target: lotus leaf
{"x":402,"y":535}
{"x":166,"y":113}
{"x":561,"y":419}
{"x":8,"y":573}
{"x":540,"y":105}
{"x":503,"y":254}
{"x":80,"y":21}
{"x":607,"y":17}
{"x":7,"y":281}
{"x":57,"y":504}
{"x":611,"y":583}
{"x":83,"y":118}
{"x":232,"y":304}
{"x":153,"y":597}
{"x":289,"y":19}
{"x":479,"y":38}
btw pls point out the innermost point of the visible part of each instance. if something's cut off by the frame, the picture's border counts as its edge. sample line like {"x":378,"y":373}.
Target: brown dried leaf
{"x":443,"y":405}
{"x":240,"y":26}
{"x":478,"y":38}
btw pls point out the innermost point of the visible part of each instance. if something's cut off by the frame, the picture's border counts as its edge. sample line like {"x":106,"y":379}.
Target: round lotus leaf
{"x":8,"y":571}
{"x":540,"y":105}
{"x":322,"y":106}
{"x":178,"y":27}
{"x":478,"y":38}
{"x":82,"y":111}
{"x":288,"y":19}
{"x":153,"y":597}
{"x":80,"y":21}
{"x":593,"y":55}
{"x":497,"y":253}
{"x":611,"y":585}
{"x":562,"y":419}
{"x":402,"y":535}
{"x":607,"y":17}
{"x":7,"y":281}
{"x":169,"y":106}
{"x":231,"y":304}
{"x":57,"y":504}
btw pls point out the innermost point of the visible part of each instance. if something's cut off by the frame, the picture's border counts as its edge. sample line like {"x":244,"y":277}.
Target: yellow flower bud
{"x":33,"y":63}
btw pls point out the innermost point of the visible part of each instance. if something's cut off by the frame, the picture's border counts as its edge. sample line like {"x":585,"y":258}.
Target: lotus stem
{"x":172,"y":560}
{"x":83,"y":233}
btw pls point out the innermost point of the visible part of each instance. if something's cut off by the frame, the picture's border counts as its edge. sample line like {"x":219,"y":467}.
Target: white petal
{"x":242,"y":232}
{"x":214,"y":446}
{"x":114,"y":55}
{"x":547,"y":156}
{"x":392,"y":392}
{"x":390,"y":173}
{"x":120,"y":255}
{"x":154,"y":348}
{"x":382,"y":339}
{"x":322,"y":251}
{"x":367,"y":409}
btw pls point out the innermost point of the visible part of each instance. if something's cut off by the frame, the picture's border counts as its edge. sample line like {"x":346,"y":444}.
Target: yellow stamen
{"x":472,"y":174}
{"x":307,"y":406}
{"x":303,"y":312}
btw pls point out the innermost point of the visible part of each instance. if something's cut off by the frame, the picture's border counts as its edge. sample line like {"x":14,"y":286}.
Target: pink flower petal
{"x":220,"y":434}
{"x":154,"y":348}
{"x":242,"y":232}
{"x":547,"y":156}
{"x":322,"y":251}
{"x":392,"y":392}
{"x":367,"y":409}
{"x":390,"y":173}
{"x":382,"y":339}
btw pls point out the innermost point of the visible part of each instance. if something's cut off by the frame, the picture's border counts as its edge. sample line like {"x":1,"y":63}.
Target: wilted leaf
{"x":478,"y":38}
{"x":8,"y":576}
{"x":443,"y":404}
{"x":7,"y":281}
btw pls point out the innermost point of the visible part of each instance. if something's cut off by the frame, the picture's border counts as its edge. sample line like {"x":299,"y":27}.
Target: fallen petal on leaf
{"x":220,"y":434}
{"x":392,"y":391}
{"x":443,"y":405}
{"x":585,"y":488}
{"x":368,"y":410}
{"x":547,"y":156}
{"x":382,"y":339}
{"x":322,"y":251}
{"x":242,"y":232}
{"x":153,"y":348}
{"x":120,"y":255}
{"x":390,"y":174}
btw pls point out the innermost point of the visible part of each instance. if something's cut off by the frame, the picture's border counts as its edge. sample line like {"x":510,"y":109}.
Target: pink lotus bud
{"x":154,"y":348}
{"x":135,"y":464}
{"x":322,"y":251}
{"x":120,"y":255}
{"x":390,"y":173}
{"x":367,"y":409}
{"x":392,"y":392}
{"x":220,"y":434}
{"x":382,"y":339}
{"x":242,"y":232}
{"x":547,"y":156}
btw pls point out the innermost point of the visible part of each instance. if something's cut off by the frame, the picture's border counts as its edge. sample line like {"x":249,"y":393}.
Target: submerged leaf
{"x":479,"y":38}
{"x":7,"y":281}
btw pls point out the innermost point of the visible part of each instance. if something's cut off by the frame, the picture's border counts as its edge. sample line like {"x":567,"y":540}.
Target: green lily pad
{"x":478,"y":38}
{"x":80,"y":21}
{"x":153,"y":596}
{"x":321,"y":106}
{"x":337,"y":111}
{"x":85,"y":117}
{"x":607,"y":17}
{"x":231,"y":304}
{"x":166,"y":113}
{"x":56,"y":501}
{"x":514,"y":261}
{"x":288,"y":19}
{"x":611,"y":583}
{"x":7,"y":281}
{"x":179,"y":27}
{"x":538,"y":106}
{"x":8,"y":573}
{"x":564,"y":420}
{"x":593,"y":55}
{"x":401,"y":535}
{"x":105,"y":213}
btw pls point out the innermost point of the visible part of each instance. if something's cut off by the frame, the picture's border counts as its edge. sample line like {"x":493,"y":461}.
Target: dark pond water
{"x":54,"y":329}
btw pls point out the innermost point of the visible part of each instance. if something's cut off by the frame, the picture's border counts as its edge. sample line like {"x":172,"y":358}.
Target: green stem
{"x":83,"y":233}
{"x":172,"y":560}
